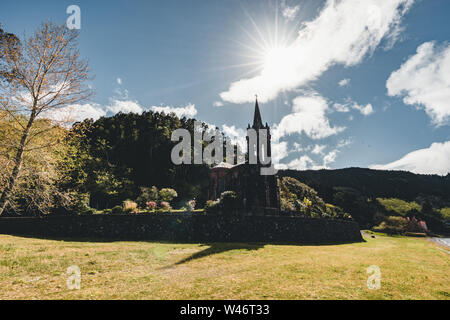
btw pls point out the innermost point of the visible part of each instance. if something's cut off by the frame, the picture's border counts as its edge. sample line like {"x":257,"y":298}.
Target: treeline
{"x":357,"y":191}
{"x":374,"y":183}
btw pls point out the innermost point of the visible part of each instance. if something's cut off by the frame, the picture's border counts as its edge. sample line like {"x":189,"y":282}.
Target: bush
{"x":165,"y":206}
{"x":190,"y":205}
{"x":287,"y":205}
{"x":445,"y":213}
{"x":392,"y":225}
{"x":117,"y":210}
{"x":147,"y":195}
{"x":129,"y":206}
{"x":167,"y":194}
{"x":151,"y":205}
{"x":229,"y":201}
{"x":335,"y":212}
{"x":79,"y":203}
{"x":298,"y":197}
{"x":107,"y":211}
{"x":398,"y":206}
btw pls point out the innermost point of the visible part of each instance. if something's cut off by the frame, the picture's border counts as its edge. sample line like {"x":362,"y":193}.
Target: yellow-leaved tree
{"x":40,"y":76}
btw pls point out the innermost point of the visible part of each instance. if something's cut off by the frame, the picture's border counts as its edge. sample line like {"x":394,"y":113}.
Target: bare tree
{"x":38,"y":76}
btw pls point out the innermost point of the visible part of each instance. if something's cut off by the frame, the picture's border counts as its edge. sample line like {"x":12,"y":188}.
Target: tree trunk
{"x":4,"y":199}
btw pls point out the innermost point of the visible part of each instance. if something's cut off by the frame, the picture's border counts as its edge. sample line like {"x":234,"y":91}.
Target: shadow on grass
{"x":216,"y":248}
{"x":119,"y":239}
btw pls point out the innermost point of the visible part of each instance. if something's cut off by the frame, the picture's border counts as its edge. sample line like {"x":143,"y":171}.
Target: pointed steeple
{"x":257,"y":121}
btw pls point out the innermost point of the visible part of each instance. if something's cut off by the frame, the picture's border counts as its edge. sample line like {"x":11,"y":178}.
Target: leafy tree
{"x":37,"y":184}
{"x":40,"y":75}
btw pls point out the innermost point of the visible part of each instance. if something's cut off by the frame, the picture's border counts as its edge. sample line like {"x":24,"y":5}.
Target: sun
{"x":278,"y":62}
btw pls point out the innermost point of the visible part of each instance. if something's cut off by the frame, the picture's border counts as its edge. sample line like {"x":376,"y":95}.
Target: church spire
{"x":257,"y":121}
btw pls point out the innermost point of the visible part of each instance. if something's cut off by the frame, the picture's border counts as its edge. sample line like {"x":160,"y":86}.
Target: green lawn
{"x":411,"y":268}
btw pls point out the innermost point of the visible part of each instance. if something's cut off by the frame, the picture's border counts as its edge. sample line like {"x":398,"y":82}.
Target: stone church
{"x":259,"y":193}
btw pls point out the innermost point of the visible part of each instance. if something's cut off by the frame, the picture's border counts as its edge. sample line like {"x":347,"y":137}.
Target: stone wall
{"x":186,"y":228}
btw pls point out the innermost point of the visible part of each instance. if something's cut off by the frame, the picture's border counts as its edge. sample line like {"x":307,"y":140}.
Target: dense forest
{"x":113,"y":158}
{"x":360,"y":192}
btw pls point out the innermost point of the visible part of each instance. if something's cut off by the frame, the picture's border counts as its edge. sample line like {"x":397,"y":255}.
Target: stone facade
{"x":259,"y":193}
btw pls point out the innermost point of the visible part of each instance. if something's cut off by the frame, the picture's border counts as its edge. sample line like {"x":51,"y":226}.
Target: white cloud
{"x":298,"y":148}
{"x":424,"y":80}
{"x":318,"y":149}
{"x":305,"y":162}
{"x":330,"y":158}
{"x":343,"y":33}
{"x":281,"y":166}
{"x":344,"y":83}
{"x":218,"y":104}
{"x":341,"y":107}
{"x":290,"y":13}
{"x":309,"y":117}
{"x":124,"y":106}
{"x":75,"y":113}
{"x":188,"y":111}
{"x":79,"y":112}
{"x":367,"y":110}
{"x":343,"y":143}
{"x":279,"y":151}
{"x":302,"y":163}
{"x":432,"y":160}
{"x":237,"y":135}
{"x":346,"y":107}
{"x":119,"y":81}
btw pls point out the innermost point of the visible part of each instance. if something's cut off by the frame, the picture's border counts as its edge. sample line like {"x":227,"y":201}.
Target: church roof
{"x":224,"y":165}
{"x":257,"y":121}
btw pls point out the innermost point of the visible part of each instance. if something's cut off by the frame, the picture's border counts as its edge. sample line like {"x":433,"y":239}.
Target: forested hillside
{"x":371,"y":195}
{"x":374,"y":183}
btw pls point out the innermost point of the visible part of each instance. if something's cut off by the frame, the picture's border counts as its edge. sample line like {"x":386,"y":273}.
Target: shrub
{"x":79,"y":203}
{"x":117,"y":210}
{"x":167,"y":194}
{"x":107,"y":211}
{"x":147,"y":195}
{"x":298,"y":197}
{"x":398,"y":206}
{"x":286,"y":205}
{"x":129,"y":206}
{"x":445,"y":212}
{"x":229,"y":201}
{"x":165,"y":206}
{"x":392,"y":225}
{"x":335,"y":212}
{"x":190,"y":205}
{"x":151,"y":205}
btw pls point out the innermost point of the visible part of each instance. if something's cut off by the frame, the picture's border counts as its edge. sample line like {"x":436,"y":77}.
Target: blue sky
{"x":342,"y":83}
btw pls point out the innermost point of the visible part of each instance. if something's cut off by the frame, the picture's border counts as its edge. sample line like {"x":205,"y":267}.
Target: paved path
{"x":442,"y":241}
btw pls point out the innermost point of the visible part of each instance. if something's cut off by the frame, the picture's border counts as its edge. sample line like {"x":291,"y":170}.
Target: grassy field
{"x":411,"y":268}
